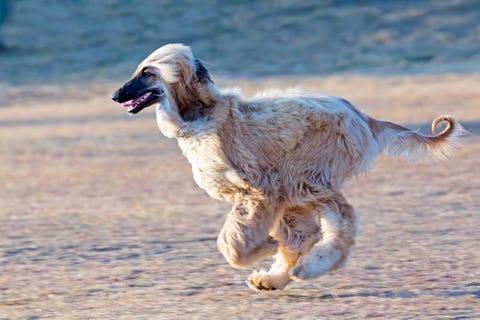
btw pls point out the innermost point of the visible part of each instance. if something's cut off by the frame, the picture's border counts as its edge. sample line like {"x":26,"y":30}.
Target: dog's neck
{"x":177,"y":115}
{"x":194,"y":102}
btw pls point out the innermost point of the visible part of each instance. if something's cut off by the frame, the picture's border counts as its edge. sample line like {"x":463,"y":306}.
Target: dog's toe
{"x":263,"y":281}
{"x":258,"y":281}
{"x":259,"y":286}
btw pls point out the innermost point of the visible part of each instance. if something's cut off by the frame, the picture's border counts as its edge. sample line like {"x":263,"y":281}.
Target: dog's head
{"x":160,"y":76}
{"x":144,"y":89}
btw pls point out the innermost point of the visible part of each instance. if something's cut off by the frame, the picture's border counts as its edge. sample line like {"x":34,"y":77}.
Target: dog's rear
{"x":338,"y":218}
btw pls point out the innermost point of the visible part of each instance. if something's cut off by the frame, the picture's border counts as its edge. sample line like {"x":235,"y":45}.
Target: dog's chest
{"x":210,"y":169}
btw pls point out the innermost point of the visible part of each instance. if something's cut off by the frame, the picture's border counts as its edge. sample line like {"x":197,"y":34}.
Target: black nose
{"x":116,"y":96}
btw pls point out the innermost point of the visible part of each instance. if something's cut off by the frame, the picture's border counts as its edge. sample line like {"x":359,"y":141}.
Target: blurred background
{"x":99,"y":214}
{"x":87,"y":40}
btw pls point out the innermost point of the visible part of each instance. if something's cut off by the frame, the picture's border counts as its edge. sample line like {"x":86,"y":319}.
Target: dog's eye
{"x":147,"y":73}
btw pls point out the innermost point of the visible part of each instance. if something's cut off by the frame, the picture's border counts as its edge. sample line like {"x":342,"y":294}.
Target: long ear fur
{"x":201,"y":73}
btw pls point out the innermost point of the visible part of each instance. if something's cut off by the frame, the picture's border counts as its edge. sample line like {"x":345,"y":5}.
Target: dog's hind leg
{"x":338,"y":235}
{"x":296,"y":232}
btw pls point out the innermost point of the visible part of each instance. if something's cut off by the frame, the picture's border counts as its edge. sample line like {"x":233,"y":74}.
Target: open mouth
{"x":143,"y":101}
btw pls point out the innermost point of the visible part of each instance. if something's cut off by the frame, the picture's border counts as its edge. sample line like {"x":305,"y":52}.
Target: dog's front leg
{"x":297,"y":231}
{"x":244,"y":238}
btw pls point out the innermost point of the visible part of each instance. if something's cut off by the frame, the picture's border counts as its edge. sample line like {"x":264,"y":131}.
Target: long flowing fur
{"x":413,"y":146}
{"x":281,"y":159}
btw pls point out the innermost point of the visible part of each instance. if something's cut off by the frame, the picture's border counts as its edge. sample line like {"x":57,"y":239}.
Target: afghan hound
{"x":281,"y":159}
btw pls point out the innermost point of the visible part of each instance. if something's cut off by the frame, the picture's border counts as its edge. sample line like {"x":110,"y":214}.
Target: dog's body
{"x":281,"y":160}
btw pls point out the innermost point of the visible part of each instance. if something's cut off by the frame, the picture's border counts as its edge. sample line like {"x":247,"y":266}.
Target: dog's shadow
{"x":384,"y":294}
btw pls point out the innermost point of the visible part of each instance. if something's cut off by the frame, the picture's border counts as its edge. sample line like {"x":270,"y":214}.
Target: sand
{"x":101,"y":218}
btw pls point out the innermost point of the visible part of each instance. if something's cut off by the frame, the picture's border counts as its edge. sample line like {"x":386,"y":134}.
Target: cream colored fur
{"x":281,"y":159}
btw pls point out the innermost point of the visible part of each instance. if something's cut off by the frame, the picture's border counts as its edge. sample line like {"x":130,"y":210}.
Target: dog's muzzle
{"x":116,"y":96}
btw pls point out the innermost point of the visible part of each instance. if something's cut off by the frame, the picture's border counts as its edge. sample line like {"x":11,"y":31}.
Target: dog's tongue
{"x":128,"y":104}
{"x":133,"y":102}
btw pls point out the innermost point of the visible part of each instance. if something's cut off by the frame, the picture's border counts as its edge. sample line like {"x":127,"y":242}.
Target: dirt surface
{"x":100,"y":218}
{"x":99,"y":214}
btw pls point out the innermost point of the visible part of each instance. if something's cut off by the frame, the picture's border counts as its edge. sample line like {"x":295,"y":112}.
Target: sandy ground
{"x":100,"y":217}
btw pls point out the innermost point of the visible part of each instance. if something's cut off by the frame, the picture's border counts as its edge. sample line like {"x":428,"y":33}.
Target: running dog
{"x":281,"y":159}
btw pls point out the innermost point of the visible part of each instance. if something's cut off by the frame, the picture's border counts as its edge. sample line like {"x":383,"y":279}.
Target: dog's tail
{"x":399,"y":141}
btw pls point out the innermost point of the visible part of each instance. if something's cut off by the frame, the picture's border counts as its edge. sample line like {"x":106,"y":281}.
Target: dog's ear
{"x":201,"y":73}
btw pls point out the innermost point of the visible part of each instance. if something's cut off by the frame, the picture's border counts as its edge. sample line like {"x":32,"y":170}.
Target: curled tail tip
{"x":415,"y":146}
{"x":453,"y":126}
{"x":444,"y":142}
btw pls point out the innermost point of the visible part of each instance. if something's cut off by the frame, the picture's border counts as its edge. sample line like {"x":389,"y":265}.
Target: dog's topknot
{"x":173,"y":60}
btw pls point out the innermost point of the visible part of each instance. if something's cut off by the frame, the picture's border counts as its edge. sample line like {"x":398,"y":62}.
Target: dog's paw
{"x":264,"y":281}
{"x":259,"y":281}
